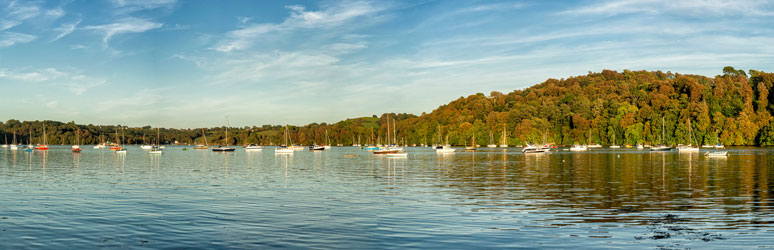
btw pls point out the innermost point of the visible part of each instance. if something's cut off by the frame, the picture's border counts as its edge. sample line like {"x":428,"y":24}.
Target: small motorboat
{"x":578,"y":148}
{"x":661,"y":148}
{"x":445,"y":150}
{"x":284,"y":150}
{"x":385,"y":151}
{"x":717,"y":153}
{"x":222,"y":149}
{"x":253,"y":147}
{"x":404,"y":154}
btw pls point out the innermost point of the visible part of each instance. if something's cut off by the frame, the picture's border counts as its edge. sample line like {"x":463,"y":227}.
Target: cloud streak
{"x":689,"y":7}
{"x":65,"y":29}
{"x":124,"y":26}
{"x":8,"y":39}
{"x":300,"y":18}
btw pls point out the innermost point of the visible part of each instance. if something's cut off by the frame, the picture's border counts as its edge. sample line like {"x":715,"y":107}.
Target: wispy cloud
{"x":129,"y":6}
{"x":55,"y":13}
{"x":10,"y":38}
{"x":125,"y":25}
{"x":300,"y":18}
{"x":65,"y":29}
{"x":689,"y":7}
{"x":72,"y":80}
{"x":14,"y":13}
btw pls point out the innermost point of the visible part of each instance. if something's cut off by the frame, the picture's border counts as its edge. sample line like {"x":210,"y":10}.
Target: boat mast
{"x":663,"y":132}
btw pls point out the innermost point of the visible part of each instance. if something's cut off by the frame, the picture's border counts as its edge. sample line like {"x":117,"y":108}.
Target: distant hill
{"x":608,"y":107}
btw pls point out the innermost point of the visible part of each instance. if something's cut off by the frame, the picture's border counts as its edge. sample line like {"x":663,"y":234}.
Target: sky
{"x":189,"y":64}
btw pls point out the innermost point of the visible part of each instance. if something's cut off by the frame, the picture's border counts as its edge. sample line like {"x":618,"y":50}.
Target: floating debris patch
{"x":668,"y":227}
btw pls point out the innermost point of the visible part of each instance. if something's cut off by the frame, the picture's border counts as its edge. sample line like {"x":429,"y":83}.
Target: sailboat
{"x":327,"y":142}
{"x":101,"y":144}
{"x":14,"y":146}
{"x":388,"y":149}
{"x":531,"y":148}
{"x":145,"y":145}
{"x":491,"y":138}
{"x":718,"y":145}
{"x":43,"y":146}
{"x":114,"y":146}
{"x":688,"y":148}
{"x":578,"y":147}
{"x":614,"y":145}
{"x":77,"y":147}
{"x":472,"y":144}
{"x":503,"y":140}
{"x":204,"y":138}
{"x":156,"y":149}
{"x":445,"y":149}
{"x":224,"y":148}
{"x":120,"y":148}
{"x":284,"y":149}
{"x":662,"y":147}
{"x":29,"y":143}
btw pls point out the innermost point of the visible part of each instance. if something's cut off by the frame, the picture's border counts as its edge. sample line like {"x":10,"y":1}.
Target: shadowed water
{"x":348,"y":198}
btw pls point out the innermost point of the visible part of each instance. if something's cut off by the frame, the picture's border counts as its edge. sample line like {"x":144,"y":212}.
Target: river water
{"x":348,"y":198}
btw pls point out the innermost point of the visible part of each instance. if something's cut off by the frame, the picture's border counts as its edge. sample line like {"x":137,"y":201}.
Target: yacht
{"x":577,"y":148}
{"x":285,"y":149}
{"x":444,"y":149}
{"x":224,"y":148}
{"x":253,"y":147}
{"x":156,"y":149}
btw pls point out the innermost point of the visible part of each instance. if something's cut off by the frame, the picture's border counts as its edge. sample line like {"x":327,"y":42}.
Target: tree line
{"x":608,"y":107}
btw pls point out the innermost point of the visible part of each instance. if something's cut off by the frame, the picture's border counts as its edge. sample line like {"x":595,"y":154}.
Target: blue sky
{"x":191,"y":63}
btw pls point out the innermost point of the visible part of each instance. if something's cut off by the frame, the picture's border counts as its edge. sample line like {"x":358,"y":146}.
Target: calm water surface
{"x":348,"y":198}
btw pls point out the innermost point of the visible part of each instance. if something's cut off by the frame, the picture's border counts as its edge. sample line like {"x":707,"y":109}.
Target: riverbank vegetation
{"x":608,"y":107}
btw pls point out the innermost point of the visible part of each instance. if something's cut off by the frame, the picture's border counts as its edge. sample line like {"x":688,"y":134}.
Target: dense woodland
{"x":609,"y":107}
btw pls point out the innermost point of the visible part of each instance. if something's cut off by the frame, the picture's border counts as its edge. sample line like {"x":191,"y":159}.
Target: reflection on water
{"x":347,"y":198}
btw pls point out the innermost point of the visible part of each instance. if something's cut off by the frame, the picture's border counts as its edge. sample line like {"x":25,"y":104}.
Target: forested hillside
{"x":607,"y":107}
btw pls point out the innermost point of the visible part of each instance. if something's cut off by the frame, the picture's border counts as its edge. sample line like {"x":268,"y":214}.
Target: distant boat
{"x":224,"y":148}
{"x":491,"y":137}
{"x":145,"y":145}
{"x":473,"y":144}
{"x":43,"y":146}
{"x":577,"y":148}
{"x":386,"y":151}
{"x":156,"y":149}
{"x":445,"y":149}
{"x":285,"y":149}
{"x":327,"y":142}
{"x":114,"y":146}
{"x":718,"y":153}
{"x":688,"y":148}
{"x":120,"y":148}
{"x":77,"y":147}
{"x":316,"y":148}
{"x":253,"y":147}
{"x":640,"y":147}
{"x":205,"y":146}
{"x":397,"y":154}
{"x":14,"y":145}
{"x":503,"y":140}
{"x":662,"y":147}
{"x":614,"y":145}
{"x":531,"y":149}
